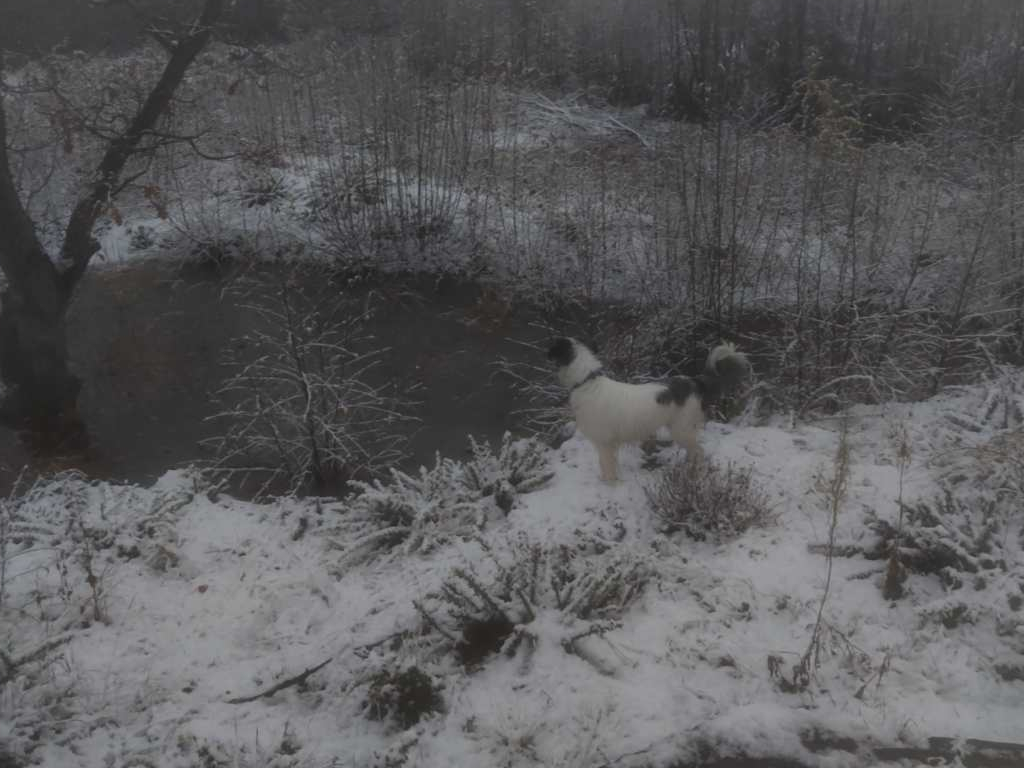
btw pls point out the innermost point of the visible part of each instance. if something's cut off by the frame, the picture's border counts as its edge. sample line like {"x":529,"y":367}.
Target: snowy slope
{"x":202,"y":598}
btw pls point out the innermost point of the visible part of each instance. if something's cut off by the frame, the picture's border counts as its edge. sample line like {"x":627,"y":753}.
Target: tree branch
{"x":79,"y":246}
{"x":291,"y":681}
{"x":20,"y":249}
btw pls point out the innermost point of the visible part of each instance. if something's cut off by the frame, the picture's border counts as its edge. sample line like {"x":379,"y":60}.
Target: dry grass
{"x":709,"y":501}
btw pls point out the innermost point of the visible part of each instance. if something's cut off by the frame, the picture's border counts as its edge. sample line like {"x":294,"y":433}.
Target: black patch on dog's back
{"x":708,"y":387}
{"x":676,"y":390}
{"x":562,"y":351}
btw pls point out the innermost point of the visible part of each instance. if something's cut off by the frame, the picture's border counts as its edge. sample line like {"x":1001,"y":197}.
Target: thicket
{"x":840,"y":192}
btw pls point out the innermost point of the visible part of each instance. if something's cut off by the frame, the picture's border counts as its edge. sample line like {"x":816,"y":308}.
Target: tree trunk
{"x":39,"y":390}
{"x":41,"y":393}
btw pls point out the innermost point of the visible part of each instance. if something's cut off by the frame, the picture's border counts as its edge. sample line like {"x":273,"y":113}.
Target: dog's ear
{"x":562,"y":351}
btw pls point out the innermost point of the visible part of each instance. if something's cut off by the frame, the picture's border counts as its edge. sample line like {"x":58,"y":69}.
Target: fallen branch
{"x":584,"y":120}
{"x":973,"y":752}
{"x":977,"y":753}
{"x":299,"y":679}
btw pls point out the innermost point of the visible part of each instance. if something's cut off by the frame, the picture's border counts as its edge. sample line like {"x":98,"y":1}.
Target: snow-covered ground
{"x":196,"y":599}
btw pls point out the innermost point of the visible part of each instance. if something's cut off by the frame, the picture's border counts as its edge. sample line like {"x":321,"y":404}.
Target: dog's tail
{"x":725,"y":371}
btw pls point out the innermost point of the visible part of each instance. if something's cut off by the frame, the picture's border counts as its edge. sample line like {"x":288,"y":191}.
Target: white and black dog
{"x":611,"y":413}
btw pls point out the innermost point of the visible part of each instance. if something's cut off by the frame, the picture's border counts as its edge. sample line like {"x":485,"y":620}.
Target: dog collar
{"x":587,"y":379}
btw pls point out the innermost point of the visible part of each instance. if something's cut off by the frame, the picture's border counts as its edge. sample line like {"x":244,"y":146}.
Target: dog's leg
{"x":686,"y":431}
{"x":694,"y":451}
{"x":608,"y":456}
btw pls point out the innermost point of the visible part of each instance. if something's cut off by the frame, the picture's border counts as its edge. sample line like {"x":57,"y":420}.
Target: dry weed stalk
{"x":833,"y":489}
{"x":895,"y":572}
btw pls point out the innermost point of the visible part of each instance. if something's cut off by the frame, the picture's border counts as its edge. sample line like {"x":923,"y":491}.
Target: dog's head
{"x":575,"y":363}
{"x":562,"y":351}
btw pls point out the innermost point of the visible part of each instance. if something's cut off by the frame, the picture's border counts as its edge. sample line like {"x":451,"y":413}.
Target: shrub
{"x":405,"y":697}
{"x":950,"y":615}
{"x":995,"y":464}
{"x":302,"y":411}
{"x":87,"y":525}
{"x":949,"y":537}
{"x":998,"y":466}
{"x":451,"y":501}
{"x":412,"y":513}
{"x":554,"y":595}
{"x":704,"y":500}
{"x":67,"y":535}
{"x":521,"y":466}
{"x":264,"y":190}
{"x":142,"y":237}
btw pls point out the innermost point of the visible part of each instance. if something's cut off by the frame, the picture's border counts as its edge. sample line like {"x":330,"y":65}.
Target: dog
{"x":611,"y":413}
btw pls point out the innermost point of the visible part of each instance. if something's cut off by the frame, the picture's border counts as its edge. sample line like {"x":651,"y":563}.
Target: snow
{"x":246,"y":602}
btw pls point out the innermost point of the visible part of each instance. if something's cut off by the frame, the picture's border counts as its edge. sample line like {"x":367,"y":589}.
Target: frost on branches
{"x":534,"y":596}
{"x":521,"y":466}
{"x":959,"y":541}
{"x":704,"y":500}
{"x":409,"y":514}
{"x":454,"y":500}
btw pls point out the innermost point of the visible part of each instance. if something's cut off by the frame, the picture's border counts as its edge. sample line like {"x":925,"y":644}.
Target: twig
{"x":299,"y":679}
{"x":836,"y":494}
{"x":575,"y":116}
{"x":433,"y":623}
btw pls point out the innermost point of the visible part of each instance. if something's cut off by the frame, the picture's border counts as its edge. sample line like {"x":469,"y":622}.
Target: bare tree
{"x":301,"y":411}
{"x":42,"y":391}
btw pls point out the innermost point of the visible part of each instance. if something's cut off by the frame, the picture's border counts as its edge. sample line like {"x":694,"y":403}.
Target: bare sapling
{"x":301,"y":411}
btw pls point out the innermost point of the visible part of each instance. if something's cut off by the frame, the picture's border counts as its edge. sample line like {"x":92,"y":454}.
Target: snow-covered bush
{"x":997,"y":466}
{"x":960,"y":541}
{"x":86,"y":525}
{"x":982,"y":615}
{"x":142,"y":237}
{"x":410,"y":513}
{"x":1003,"y":403}
{"x":534,"y":594}
{"x":705,"y":500}
{"x":521,"y":466}
{"x":417,"y":513}
{"x":997,"y":463}
{"x":62,"y":539}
